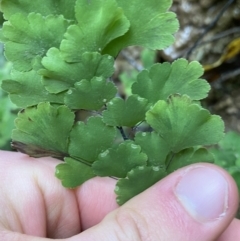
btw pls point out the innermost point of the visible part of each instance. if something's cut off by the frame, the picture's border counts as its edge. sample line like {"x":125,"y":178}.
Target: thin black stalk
{"x":170,"y":161}
{"x":122,"y":133}
{"x":82,"y":161}
{"x":115,"y":178}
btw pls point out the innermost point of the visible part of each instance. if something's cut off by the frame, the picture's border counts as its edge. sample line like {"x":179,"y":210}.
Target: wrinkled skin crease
{"x":44,"y":208}
{"x":33,"y":202}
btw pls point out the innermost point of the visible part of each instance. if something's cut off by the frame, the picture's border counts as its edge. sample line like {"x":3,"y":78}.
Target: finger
{"x":232,"y":233}
{"x":96,"y":198}
{"x":194,"y":203}
{"x":34,"y":202}
{"x":11,"y":237}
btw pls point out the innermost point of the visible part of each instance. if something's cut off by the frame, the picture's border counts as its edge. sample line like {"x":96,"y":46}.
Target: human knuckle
{"x":131,"y":226}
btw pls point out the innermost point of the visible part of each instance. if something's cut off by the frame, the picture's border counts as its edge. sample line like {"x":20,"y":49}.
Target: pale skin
{"x":35,"y":207}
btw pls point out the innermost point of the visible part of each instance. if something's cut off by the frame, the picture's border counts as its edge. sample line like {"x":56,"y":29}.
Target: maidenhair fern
{"x":63,"y":54}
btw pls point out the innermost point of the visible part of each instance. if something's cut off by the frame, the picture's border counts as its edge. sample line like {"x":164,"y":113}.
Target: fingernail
{"x":204,"y":193}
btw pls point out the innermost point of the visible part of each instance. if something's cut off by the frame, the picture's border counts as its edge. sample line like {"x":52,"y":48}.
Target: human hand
{"x":195,"y":203}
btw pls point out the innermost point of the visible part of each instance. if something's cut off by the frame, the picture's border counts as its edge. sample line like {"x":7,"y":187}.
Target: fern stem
{"x":170,"y":161}
{"x":122,"y":133}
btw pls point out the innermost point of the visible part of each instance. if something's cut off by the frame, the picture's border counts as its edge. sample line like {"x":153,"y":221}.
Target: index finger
{"x":41,"y":206}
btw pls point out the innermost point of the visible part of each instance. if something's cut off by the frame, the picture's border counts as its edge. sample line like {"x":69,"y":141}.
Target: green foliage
{"x":98,"y":24}
{"x":6,"y":122}
{"x":60,"y":75}
{"x":27,"y":38}
{"x":45,"y":128}
{"x":129,"y":77}
{"x":151,"y":25}
{"x":125,"y":113}
{"x":26,"y":89}
{"x":119,"y":160}
{"x":63,"y":56}
{"x":154,"y":146}
{"x":183,"y":123}
{"x":227,"y":155}
{"x":8,"y":110}
{"x":189,"y":156}
{"x":88,"y":140}
{"x":44,"y":7}
{"x":162,"y":80}
{"x":90,"y":95}
{"x":133,"y":185}
{"x":68,"y":172}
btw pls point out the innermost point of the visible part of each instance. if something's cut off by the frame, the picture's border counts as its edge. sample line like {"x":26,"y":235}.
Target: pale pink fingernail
{"x":204,"y":193}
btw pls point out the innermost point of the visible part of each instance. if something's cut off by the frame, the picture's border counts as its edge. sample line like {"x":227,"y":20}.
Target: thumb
{"x":197,"y":203}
